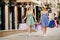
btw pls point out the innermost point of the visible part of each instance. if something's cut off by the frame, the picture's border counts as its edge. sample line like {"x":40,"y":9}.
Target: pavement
{"x":51,"y":34}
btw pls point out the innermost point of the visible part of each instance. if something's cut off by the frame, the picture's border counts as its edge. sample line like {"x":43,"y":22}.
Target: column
{"x":22,"y":8}
{"x":15,"y":15}
{"x":6,"y":17}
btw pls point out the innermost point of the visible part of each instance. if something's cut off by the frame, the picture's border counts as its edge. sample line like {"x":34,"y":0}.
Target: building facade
{"x":13,"y":11}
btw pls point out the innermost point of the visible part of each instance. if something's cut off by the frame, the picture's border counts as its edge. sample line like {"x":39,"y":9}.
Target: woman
{"x":55,"y":20}
{"x":44,"y":20}
{"x":29,"y":21}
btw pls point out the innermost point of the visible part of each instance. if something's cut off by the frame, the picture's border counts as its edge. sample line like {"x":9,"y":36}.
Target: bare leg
{"x":29,"y":30}
{"x":44,"y":30}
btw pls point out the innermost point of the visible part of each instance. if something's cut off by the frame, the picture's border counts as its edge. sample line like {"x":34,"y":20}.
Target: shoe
{"x":44,"y":35}
{"x":29,"y":34}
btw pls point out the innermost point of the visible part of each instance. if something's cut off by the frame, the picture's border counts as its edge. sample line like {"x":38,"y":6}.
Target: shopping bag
{"x":22,"y":26}
{"x":37,"y":27}
{"x":51,"y":24}
{"x":55,"y":23}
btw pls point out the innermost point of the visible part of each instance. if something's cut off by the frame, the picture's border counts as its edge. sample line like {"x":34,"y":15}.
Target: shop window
{"x":38,"y":13}
{"x":25,"y":9}
{"x":19,"y":15}
{"x":11,"y":18}
{"x":2,"y":17}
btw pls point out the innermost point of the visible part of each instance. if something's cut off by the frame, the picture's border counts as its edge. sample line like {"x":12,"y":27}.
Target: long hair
{"x":28,"y":8}
{"x":43,"y":8}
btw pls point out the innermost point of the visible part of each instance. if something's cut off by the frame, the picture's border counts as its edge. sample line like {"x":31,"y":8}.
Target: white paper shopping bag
{"x":23,"y":26}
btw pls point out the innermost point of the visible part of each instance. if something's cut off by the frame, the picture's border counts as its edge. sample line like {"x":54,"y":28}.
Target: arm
{"x":47,"y":14}
{"x":33,"y":14}
{"x":40,"y":17}
{"x":25,"y":17}
{"x":34,"y":17}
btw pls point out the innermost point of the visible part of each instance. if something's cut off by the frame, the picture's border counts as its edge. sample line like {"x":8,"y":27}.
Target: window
{"x":0,"y":15}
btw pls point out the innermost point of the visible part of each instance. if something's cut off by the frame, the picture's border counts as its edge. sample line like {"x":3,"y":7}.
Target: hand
{"x":22,"y":20}
{"x":40,"y":21}
{"x":35,"y":20}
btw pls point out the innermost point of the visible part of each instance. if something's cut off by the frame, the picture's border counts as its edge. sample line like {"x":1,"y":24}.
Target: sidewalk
{"x":52,"y":34}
